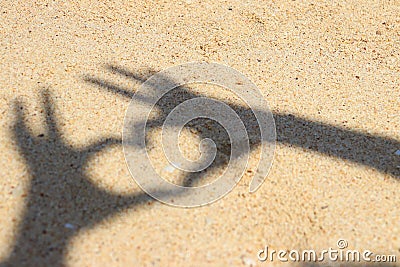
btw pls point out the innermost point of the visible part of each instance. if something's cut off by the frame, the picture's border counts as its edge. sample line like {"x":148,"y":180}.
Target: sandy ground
{"x":330,"y":71}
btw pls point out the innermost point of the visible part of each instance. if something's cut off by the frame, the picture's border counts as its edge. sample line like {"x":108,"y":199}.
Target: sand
{"x":329,"y":70}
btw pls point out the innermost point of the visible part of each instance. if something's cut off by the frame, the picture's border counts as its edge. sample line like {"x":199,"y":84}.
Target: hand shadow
{"x":374,"y":151}
{"x":61,"y":199}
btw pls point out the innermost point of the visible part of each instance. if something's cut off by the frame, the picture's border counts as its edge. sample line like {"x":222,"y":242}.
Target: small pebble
{"x":397,"y":153}
{"x":169,"y":168}
{"x":69,"y":226}
{"x":248,"y":261}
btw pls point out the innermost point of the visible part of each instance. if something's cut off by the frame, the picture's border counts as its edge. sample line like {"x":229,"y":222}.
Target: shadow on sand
{"x":60,"y":191}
